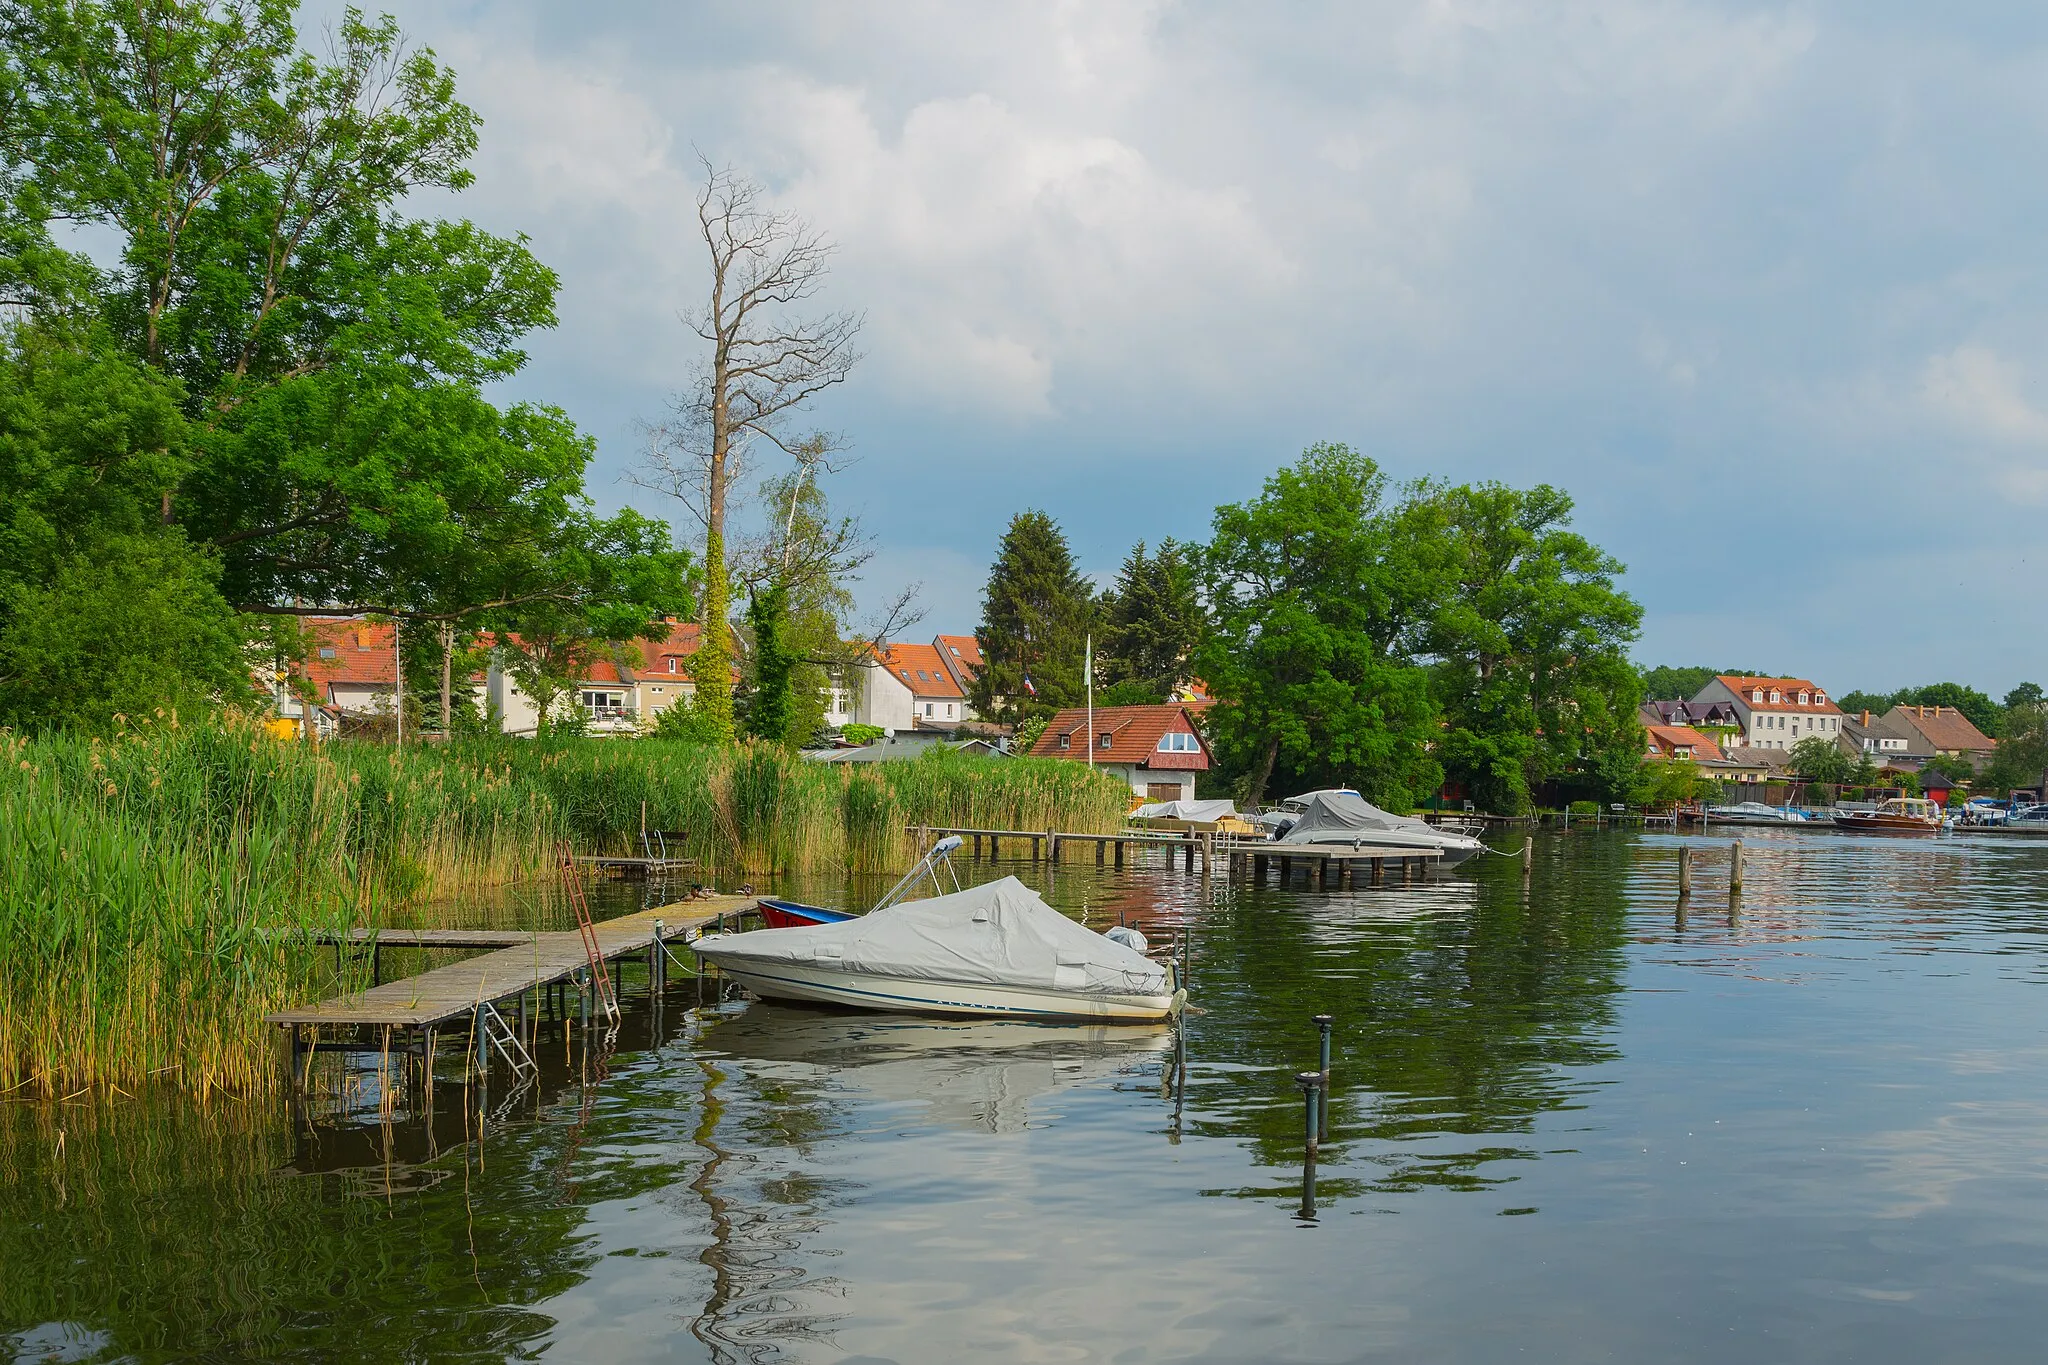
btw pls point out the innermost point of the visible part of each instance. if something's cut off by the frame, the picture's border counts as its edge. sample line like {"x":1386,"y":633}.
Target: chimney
{"x":1866,"y":720}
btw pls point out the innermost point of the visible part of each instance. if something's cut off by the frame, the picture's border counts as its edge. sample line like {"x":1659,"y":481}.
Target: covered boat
{"x":989,"y":951}
{"x":1348,"y":819}
{"x":1755,"y":813}
{"x":1218,"y":816}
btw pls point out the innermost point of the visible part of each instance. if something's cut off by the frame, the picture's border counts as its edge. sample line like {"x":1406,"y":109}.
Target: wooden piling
{"x":1735,"y":866}
{"x":1685,"y":872}
{"x":1528,"y":855}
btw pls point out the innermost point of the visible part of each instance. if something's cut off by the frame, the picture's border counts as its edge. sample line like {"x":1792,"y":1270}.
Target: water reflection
{"x":1819,"y":1102}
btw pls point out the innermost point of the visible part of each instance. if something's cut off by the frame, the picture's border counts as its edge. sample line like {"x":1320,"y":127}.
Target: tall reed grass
{"x":157,"y":888}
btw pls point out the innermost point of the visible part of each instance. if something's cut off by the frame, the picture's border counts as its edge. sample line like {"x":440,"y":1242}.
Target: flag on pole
{"x":1088,"y":663}
{"x":1028,"y":687}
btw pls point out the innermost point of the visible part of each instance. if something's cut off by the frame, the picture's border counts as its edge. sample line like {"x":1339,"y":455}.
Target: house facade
{"x":622,"y":692}
{"x":1774,"y":713}
{"x":1156,"y":750}
{"x":1679,"y":743}
{"x":1868,"y":735}
{"x":1939,"y":730}
{"x":905,"y":688}
{"x":350,"y":670}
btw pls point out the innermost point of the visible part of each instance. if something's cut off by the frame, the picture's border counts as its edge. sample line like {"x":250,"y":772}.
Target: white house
{"x":1775,"y":713}
{"x":1156,"y":749}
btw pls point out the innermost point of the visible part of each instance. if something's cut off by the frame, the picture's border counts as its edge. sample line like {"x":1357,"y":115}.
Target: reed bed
{"x":158,"y":889}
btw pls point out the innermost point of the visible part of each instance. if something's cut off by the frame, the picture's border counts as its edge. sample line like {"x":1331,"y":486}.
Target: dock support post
{"x":482,"y":1039}
{"x":1685,"y":872}
{"x":428,"y":1038}
{"x":1311,"y":1091}
{"x":1379,"y":871}
{"x":1052,"y":847}
{"x":1735,"y":866}
{"x":1119,"y":852}
{"x":1189,"y":853}
{"x":295,"y":1055}
{"x":1034,"y":846}
{"x":1323,"y":1022}
{"x":1287,"y":872}
{"x":660,"y":957}
{"x":994,"y":847}
{"x":1100,"y":852}
{"x":1325,"y":871}
{"x":1259,"y":868}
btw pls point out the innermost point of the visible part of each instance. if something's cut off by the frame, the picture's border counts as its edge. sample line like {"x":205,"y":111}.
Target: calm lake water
{"x":1570,"y":1125}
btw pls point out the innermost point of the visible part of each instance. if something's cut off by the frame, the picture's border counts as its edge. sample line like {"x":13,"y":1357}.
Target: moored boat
{"x":1343,"y":817}
{"x":1898,"y":815}
{"x":991,"y":951}
{"x":794,"y":914}
{"x":1755,"y":813}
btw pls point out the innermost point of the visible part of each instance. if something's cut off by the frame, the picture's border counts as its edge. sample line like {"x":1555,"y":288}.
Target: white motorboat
{"x":1344,"y":817}
{"x":992,"y":951}
{"x":1755,"y":813}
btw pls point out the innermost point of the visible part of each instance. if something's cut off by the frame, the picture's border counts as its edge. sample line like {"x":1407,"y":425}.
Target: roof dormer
{"x":1805,"y":699}
{"x":1756,"y":695}
{"x":1776,"y":696}
{"x":1820,"y":699}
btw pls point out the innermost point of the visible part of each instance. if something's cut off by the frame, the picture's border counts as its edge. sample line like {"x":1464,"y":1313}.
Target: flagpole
{"x":1088,"y":677}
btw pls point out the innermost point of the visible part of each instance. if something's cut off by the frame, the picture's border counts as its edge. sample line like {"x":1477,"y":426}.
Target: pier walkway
{"x":1331,"y":865}
{"x":529,"y":962}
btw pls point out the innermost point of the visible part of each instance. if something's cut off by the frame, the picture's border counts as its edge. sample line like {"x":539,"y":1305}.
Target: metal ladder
{"x":600,"y":979}
{"x":502,"y":1038}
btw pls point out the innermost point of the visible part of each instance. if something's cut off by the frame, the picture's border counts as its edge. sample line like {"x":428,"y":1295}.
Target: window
{"x":1063,"y":742}
{"x":924,"y":675}
{"x":927,"y":708}
{"x":1805,"y":699}
{"x":1820,"y":699}
{"x":955,"y":649}
{"x":1757,"y":695}
{"x":671,"y":663}
{"x":949,"y":710}
{"x":1179,"y":742}
{"x":1102,"y":741}
{"x":1774,"y":696}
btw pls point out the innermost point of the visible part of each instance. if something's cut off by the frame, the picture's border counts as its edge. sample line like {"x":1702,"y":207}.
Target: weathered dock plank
{"x":455,"y":990}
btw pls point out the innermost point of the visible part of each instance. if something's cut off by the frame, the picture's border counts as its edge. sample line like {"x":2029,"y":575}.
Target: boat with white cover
{"x":991,"y":951}
{"x":1345,"y":818}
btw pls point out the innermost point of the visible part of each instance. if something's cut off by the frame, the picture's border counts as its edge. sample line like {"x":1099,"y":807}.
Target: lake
{"x":1571,"y":1122}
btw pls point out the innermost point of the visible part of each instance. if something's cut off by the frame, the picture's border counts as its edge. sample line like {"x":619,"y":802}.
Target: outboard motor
{"x":1126,"y":935}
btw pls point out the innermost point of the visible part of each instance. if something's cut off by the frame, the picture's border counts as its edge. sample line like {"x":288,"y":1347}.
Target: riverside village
{"x":832,"y":683}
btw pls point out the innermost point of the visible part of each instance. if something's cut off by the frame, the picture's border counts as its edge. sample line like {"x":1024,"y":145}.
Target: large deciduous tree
{"x":1314,"y":601}
{"x":1529,"y":635}
{"x":1035,"y":616}
{"x":763,"y":366}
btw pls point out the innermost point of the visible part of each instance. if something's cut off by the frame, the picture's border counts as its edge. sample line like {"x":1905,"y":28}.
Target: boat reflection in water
{"x":981,"y":1075}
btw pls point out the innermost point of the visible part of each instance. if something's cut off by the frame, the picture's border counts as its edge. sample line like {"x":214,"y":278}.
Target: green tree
{"x":1152,"y":621}
{"x":1035,"y":617}
{"x":772,"y":704}
{"x":2026,"y":694}
{"x":2022,"y":754}
{"x":1313,"y":602}
{"x":1856,"y":702}
{"x":1529,"y":635}
{"x":1667,"y":683}
{"x":1817,"y":758}
{"x":1982,"y":712}
{"x":135,"y":626}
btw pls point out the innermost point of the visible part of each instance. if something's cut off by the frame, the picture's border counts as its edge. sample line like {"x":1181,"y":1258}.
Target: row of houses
{"x":348,"y":678}
{"x":1743,"y":729}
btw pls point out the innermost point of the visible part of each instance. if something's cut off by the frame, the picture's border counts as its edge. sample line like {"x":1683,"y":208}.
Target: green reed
{"x":159,"y":890}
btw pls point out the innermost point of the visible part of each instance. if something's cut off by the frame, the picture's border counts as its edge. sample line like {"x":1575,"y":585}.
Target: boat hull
{"x":1453,"y":854}
{"x":793,"y":914}
{"x":950,"y":999}
{"x":1886,"y":824}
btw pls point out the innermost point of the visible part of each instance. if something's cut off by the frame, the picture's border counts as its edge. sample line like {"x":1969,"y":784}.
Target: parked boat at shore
{"x":1899,"y":815}
{"x":991,"y":951}
{"x":1344,"y":817}
{"x":1755,"y":813}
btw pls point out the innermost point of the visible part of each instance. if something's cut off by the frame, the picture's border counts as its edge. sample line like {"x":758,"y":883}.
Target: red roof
{"x":965,"y":650}
{"x":1134,"y":734}
{"x":347,"y":649}
{"x":1942,"y":726}
{"x":920,"y":668}
{"x":1667,"y":740}
{"x":1788,"y":689}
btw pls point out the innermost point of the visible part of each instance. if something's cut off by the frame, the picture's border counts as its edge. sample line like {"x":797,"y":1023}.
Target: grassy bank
{"x":150,"y":885}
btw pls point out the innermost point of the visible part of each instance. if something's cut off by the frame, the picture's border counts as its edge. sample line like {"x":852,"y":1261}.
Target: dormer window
{"x":1805,"y":699}
{"x":1102,"y":740}
{"x":671,"y":663}
{"x":1064,"y":744}
{"x":1775,"y":698}
{"x":1757,"y":696}
{"x":1820,"y":699}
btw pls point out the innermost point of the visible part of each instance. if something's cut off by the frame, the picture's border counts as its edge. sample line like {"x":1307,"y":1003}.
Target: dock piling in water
{"x":1685,"y":872}
{"x":1735,"y":866}
{"x":1323,"y":1022}
{"x":1311,"y":1084}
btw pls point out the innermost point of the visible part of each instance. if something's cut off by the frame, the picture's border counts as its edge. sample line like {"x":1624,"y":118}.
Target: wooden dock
{"x":1210,"y":852}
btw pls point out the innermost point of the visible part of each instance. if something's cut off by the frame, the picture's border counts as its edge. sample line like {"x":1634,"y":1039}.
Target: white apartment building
{"x":1775,"y":713}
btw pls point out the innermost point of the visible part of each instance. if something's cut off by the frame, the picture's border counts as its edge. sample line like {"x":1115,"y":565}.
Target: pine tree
{"x":1035,"y":617}
{"x":1153,"y":621}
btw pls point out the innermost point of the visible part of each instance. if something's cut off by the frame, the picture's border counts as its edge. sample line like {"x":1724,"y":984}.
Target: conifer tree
{"x":1035,"y":617}
{"x":1152,"y":622}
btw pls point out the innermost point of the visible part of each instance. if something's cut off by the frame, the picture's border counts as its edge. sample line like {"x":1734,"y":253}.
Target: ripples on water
{"x":1571,"y":1122}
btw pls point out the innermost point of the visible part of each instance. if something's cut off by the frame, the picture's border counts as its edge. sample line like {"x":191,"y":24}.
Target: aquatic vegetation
{"x":157,"y":889}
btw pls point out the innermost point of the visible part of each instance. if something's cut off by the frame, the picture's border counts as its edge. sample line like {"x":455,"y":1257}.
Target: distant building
{"x":1774,"y":713}
{"x":1865,"y":735}
{"x":621,"y":690}
{"x":350,"y":670}
{"x":1744,"y":765}
{"x":1681,"y":743}
{"x":1943,"y":730}
{"x":1717,"y":720}
{"x":1155,"y":749}
{"x":905,"y":688}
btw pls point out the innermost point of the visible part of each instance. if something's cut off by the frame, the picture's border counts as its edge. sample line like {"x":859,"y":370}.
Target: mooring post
{"x":1311,"y":1090}
{"x":1735,"y":866}
{"x":483,"y":1040}
{"x":1323,"y":1022}
{"x":1528,"y":855}
{"x":1685,"y":872}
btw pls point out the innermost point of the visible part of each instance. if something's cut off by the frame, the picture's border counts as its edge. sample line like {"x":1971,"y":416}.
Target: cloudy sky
{"x":1761,"y":285}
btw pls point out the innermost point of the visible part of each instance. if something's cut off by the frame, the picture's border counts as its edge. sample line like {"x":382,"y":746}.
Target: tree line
{"x":1351,"y":632}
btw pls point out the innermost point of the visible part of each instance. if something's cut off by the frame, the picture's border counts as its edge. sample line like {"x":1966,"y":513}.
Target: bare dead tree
{"x":764,"y":365}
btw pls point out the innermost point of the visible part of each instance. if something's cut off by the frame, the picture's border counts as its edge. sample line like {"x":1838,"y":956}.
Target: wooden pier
{"x":1329,"y":865}
{"x":406,"y":1015}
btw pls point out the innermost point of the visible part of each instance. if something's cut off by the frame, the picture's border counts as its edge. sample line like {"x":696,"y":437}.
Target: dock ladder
{"x":505,"y":1040}
{"x":600,"y":979}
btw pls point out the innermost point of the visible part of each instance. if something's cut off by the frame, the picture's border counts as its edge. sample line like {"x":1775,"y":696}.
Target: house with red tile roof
{"x":910,"y":687}
{"x":350,"y":670}
{"x":1932,"y":730}
{"x":1681,"y":743}
{"x":1156,"y":749}
{"x":622,"y":690}
{"x":961,"y":655}
{"x":1774,"y":713}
